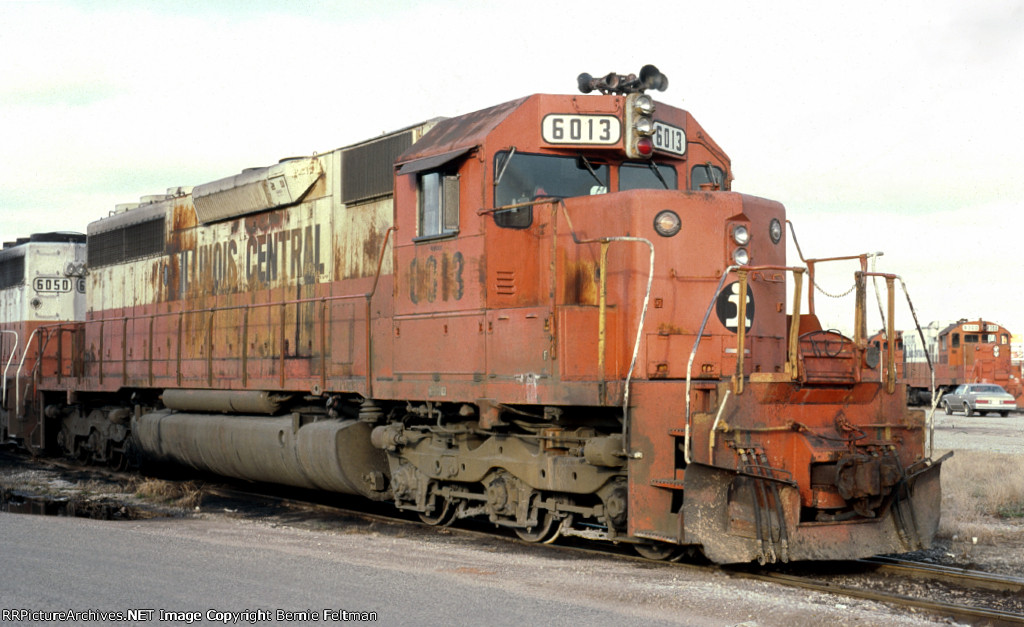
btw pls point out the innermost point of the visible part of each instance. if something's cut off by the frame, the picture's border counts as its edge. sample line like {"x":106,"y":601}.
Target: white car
{"x":979,"y":398}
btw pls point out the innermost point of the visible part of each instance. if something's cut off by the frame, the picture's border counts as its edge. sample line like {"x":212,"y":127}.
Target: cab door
{"x":439,"y":325}
{"x":519,"y":302}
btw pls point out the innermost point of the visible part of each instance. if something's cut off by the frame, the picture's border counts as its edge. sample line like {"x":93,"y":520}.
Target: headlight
{"x":643,"y":126}
{"x":667,"y":223}
{"x":740,"y":234}
{"x":741,"y":257}
{"x":775,"y":230}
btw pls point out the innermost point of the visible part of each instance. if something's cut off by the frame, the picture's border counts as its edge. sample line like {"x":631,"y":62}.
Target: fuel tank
{"x":334,"y":455}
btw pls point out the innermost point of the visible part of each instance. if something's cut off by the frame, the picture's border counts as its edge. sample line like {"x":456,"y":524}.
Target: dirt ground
{"x":995,"y":545}
{"x":994,"y":434}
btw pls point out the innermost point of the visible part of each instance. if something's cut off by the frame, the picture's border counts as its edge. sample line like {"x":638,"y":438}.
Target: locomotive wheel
{"x":442,"y":513}
{"x":657,"y":550}
{"x":947,"y":408}
{"x":546,"y":531}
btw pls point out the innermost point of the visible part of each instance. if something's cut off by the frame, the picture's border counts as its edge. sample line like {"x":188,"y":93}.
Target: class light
{"x":667,"y":223}
{"x":645,"y":146}
{"x":775,"y":230}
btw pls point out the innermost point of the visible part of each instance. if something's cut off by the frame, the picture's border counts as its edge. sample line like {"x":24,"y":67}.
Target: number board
{"x":47,"y":284}
{"x":569,"y":128}
{"x":668,"y":138}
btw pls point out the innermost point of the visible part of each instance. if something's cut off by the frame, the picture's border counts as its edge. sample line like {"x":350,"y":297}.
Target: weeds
{"x":187,"y":494}
{"x":1011,"y":511}
{"x":982,"y":495}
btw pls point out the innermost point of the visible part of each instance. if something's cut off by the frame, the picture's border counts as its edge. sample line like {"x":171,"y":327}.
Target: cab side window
{"x":706,"y":173}
{"x":438,"y":204}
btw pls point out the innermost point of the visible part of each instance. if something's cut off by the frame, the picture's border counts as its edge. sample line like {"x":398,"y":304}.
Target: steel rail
{"x":953,"y":610}
{"x":950,"y":574}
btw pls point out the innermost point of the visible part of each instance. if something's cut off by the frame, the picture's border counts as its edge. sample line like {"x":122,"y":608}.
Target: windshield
{"x":523,"y":178}
{"x":988,"y":389}
{"x":642,"y":176}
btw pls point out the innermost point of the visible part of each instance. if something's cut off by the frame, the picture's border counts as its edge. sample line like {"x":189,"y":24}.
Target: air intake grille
{"x":12,"y":272}
{"x":367,"y":171}
{"x":126,"y":243}
{"x":506,"y":282}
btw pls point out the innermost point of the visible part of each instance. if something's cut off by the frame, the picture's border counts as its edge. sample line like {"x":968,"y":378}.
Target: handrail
{"x":811,"y":263}
{"x":14,"y":350}
{"x":21,"y":364}
{"x":605,"y":241}
{"x":890,"y":361}
{"x":246,"y":308}
{"x":741,"y":323}
{"x":860,"y":332}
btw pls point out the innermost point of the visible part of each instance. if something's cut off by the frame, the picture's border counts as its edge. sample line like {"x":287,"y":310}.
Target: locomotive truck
{"x":552,"y":314}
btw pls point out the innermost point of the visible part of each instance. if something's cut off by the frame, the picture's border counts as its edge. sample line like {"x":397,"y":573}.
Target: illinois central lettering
{"x":283,"y":255}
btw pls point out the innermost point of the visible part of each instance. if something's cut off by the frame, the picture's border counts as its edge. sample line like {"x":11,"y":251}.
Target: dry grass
{"x":187,"y":494}
{"x":982,"y":496}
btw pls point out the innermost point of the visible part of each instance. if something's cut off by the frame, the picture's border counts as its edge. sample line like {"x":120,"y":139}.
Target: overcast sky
{"x":882,"y":126}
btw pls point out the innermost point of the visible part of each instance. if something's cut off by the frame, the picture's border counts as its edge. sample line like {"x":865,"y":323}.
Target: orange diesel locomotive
{"x":966,"y":351}
{"x":552,"y":314}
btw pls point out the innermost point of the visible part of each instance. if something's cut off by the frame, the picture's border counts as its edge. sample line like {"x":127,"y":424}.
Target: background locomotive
{"x":552,"y":314}
{"x":965,"y":351}
{"x":41,"y":282}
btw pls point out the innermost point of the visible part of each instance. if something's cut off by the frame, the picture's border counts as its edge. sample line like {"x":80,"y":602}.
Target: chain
{"x":843,"y":295}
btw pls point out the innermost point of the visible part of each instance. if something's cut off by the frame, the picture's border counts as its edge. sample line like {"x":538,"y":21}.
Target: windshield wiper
{"x":504,"y":165}
{"x":712,"y":178}
{"x":657,"y":172}
{"x":590,"y":168}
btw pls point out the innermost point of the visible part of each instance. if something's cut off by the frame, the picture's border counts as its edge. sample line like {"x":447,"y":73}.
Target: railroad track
{"x":960,"y":594}
{"x":969,"y":579}
{"x":971,"y":596}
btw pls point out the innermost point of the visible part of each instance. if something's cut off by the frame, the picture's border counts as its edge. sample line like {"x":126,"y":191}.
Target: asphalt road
{"x":223,"y":564}
{"x":60,"y":564}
